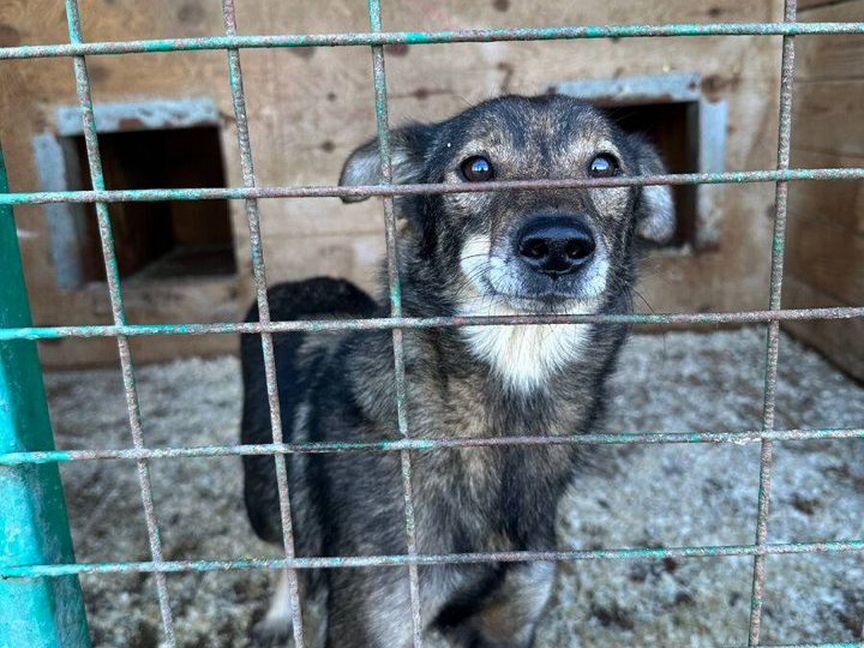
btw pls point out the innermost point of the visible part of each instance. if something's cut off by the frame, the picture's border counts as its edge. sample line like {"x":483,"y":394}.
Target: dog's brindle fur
{"x":456,"y":256}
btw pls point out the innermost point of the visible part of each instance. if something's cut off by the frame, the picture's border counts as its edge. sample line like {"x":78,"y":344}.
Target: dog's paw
{"x":271,"y":633}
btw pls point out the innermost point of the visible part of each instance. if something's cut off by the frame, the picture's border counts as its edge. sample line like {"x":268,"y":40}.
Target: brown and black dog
{"x":566,"y":250}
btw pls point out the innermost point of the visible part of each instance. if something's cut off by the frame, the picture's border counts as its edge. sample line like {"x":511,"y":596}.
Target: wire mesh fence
{"x":376,"y":38}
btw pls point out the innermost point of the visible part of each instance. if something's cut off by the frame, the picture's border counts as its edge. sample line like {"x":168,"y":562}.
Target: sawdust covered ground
{"x":627,"y":496}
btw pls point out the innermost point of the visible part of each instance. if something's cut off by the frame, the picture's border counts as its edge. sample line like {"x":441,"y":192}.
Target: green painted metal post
{"x":34,"y":529}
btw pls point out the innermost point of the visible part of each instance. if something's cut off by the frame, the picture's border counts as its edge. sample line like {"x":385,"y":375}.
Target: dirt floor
{"x":629,"y":496}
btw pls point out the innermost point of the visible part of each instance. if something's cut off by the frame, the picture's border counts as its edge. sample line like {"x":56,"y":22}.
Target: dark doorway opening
{"x":673,"y":127}
{"x":158,"y":240}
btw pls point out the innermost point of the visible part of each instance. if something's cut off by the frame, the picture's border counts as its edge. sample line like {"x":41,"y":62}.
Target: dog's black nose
{"x":555,"y":245}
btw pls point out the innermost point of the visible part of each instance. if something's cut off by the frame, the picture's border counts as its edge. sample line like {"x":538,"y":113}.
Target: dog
{"x":561,"y":250}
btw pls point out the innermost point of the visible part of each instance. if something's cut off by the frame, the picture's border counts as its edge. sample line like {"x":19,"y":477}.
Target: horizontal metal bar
{"x":814,"y":645}
{"x":432,"y":37}
{"x":383,"y":323}
{"x":401,"y":560}
{"x":387,"y":445}
{"x":386,"y":190}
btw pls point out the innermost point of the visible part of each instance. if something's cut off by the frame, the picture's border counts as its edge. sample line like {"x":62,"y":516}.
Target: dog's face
{"x":497,"y":253}
{"x":549,"y":250}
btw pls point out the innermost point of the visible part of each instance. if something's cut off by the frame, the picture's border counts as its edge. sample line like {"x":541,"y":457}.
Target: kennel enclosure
{"x":40,"y":599}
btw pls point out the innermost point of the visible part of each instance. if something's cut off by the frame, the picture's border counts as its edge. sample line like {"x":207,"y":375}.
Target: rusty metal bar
{"x":388,"y":445}
{"x":382,"y":124}
{"x":388,"y":189}
{"x":259,"y":272}
{"x":855,"y":644}
{"x":401,"y":560}
{"x":112,"y":273}
{"x":343,"y":39}
{"x":816,"y":645}
{"x":772,"y":353}
{"x":378,"y":323}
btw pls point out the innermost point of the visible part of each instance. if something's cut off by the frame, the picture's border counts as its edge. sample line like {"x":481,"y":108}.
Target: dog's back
{"x":318,"y":298}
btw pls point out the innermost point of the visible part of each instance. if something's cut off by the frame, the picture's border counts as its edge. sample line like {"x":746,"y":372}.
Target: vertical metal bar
{"x":259,"y":272}
{"x":34,"y":529}
{"x":784,"y":139}
{"x":112,"y":274}
{"x":382,"y":122}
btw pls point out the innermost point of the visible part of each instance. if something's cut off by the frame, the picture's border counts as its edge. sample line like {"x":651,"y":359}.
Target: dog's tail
{"x":318,"y":298}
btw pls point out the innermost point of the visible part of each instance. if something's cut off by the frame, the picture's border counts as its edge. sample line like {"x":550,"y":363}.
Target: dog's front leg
{"x":509,"y":618}
{"x":276,"y":628}
{"x":369,"y":608}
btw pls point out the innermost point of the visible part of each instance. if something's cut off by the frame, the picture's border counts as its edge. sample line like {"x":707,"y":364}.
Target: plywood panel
{"x":831,"y":57}
{"x":210,"y":300}
{"x":838,"y":203}
{"x":838,"y":340}
{"x":356,"y":256}
{"x":829,"y":258}
{"x":825,"y":256}
{"x":452,"y":14}
{"x":807,"y":9}
{"x":829,"y":117}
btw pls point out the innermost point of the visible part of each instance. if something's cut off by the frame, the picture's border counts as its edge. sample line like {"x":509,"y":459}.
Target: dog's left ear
{"x":655,"y":213}
{"x":407,"y":152}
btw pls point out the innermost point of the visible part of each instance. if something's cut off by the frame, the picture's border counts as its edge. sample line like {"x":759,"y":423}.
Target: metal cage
{"x":40,"y":600}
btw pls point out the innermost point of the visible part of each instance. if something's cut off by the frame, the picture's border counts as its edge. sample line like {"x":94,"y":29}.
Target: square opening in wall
{"x":667,"y":125}
{"x":688,"y":128}
{"x":159,"y":240}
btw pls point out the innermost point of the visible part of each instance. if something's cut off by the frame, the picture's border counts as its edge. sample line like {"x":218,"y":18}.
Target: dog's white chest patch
{"x":524,"y":356}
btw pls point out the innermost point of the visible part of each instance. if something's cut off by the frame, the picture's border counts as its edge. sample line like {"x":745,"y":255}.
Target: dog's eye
{"x":477,"y":169}
{"x":604,"y":165}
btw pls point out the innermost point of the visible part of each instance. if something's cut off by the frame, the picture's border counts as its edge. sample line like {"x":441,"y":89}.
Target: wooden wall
{"x":825,"y":257}
{"x":309,"y":108}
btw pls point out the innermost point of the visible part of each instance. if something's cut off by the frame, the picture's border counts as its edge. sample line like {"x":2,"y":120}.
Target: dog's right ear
{"x":408,"y":147}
